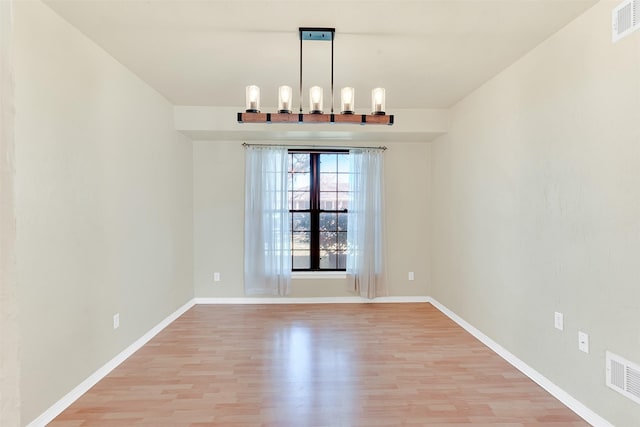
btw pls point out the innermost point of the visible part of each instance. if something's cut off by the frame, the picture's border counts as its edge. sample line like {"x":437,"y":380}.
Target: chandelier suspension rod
{"x":315,"y":147}
{"x":333,"y":36}
{"x":300,"y":71}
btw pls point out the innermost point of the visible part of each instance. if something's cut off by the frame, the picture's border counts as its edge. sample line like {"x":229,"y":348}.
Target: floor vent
{"x":623,"y":376}
{"x":625,"y":19}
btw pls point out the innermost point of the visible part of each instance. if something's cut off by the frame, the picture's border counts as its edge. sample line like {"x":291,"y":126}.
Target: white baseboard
{"x":310,"y":300}
{"x":62,"y":404}
{"x":576,"y":406}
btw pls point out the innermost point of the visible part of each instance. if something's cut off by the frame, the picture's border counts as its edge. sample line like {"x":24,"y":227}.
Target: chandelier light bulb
{"x":315,"y":100}
{"x":347,"y":97}
{"x":252,"y":99}
{"x":377,"y":101}
{"x":284,"y":99}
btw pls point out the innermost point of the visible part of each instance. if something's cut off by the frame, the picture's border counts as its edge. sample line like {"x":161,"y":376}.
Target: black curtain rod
{"x":314,"y":147}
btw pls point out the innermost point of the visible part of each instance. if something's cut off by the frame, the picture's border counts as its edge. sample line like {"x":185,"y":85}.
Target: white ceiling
{"x":427,"y":54}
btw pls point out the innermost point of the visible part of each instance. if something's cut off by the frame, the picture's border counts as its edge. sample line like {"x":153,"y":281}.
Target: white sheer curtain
{"x":365,"y":238}
{"x":267,"y":244}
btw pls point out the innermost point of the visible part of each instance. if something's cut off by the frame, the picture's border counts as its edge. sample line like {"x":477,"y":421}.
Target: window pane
{"x":327,"y":260}
{"x":342,"y":260}
{"x":328,"y":222}
{"x":328,"y":163}
{"x":342,"y":240}
{"x":343,"y":162}
{"x":299,"y":162}
{"x":298,"y":200}
{"x":300,"y":182}
{"x":329,"y":182}
{"x":343,"y":200}
{"x":342,"y":221}
{"x":301,"y":240}
{"x":301,"y":259}
{"x":328,"y":200}
{"x":301,"y":221}
{"x":343,"y":181}
{"x":328,"y":240}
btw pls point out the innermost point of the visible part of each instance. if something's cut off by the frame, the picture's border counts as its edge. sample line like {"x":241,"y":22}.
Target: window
{"x":318,"y":206}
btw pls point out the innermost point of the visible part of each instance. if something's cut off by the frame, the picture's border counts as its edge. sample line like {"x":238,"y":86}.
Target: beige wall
{"x":218,"y":171}
{"x":9,"y":326}
{"x":536,"y":208}
{"x":104,"y":207}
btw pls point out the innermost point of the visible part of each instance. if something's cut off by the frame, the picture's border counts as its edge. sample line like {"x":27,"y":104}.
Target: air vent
{"x":623,"y":376}
{"x":625,"y":19}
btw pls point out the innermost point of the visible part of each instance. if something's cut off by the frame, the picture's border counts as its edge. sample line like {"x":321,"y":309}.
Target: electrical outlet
{"x":116,"y":321}
{"x":216,"y":277}
{"x":583,"y":341}
{"x":411,"y":276}
{"x":559,"y":321}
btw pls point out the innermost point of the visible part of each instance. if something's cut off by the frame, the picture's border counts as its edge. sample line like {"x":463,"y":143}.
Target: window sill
{"x":303,"y":275}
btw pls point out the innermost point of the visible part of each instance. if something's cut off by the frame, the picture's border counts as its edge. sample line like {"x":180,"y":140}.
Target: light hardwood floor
{"x":316,"y":365}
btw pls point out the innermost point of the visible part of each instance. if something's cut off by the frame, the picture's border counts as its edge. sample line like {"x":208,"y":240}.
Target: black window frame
{"x":315,"y":210}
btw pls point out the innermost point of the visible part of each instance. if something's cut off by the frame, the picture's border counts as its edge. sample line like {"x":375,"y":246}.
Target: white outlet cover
{"x":559,"y":321}
{"x":216,"y":277}
{"x":411,"y":276}
{"x":583,"y":341}
{"x":116,"y":321}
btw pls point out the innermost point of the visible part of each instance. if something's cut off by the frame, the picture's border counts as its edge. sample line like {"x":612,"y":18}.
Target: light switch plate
{"x":583,"y":341}
{"x":559,"y":321}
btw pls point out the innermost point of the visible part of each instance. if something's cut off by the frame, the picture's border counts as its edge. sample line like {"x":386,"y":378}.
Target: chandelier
{"x":316,"y":112}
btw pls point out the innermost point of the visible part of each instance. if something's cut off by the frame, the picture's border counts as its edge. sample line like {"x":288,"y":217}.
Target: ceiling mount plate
{"x":313,"y":33}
